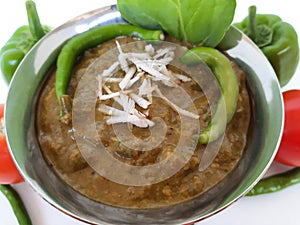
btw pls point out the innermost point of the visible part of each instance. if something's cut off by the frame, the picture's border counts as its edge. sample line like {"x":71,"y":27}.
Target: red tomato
{"x":289,"y":149}
{"x":9,"y":174}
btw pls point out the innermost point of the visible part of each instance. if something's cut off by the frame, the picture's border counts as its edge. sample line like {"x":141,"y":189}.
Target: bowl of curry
{"x":122,"y":146}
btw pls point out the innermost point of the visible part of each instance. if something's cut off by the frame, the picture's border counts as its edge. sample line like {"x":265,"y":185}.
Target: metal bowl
{"x":263,"y":139}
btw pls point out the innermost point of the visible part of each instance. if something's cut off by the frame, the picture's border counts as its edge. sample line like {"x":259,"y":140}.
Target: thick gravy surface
{"x":59,"y":147}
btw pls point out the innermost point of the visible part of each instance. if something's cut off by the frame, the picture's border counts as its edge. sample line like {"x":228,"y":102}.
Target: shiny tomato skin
{"x":1,"y":110}
{"x":289,"y":149}
{"x":9,"y":173}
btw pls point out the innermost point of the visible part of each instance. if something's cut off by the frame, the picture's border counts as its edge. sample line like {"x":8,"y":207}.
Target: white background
{"x":272,"y":209}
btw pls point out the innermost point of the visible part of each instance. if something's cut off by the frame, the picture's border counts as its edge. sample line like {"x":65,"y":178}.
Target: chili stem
{"x":252,"y":23}
{"x":35,"y":25}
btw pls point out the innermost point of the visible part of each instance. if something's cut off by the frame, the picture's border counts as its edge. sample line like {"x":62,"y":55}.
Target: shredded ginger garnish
{"x":147,"y":67}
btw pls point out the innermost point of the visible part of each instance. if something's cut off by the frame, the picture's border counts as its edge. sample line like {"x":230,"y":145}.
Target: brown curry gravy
{"x":62,"y":154}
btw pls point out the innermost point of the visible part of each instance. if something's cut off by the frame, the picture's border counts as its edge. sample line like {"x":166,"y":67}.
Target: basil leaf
{"x":195,"y":21}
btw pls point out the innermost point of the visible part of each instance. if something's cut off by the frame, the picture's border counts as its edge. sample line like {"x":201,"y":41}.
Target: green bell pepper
{"x":12,"y":53}
{"x":277,"y":39}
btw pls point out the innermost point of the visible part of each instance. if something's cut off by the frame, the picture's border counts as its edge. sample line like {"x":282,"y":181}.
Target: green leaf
{"x":195,"y":21}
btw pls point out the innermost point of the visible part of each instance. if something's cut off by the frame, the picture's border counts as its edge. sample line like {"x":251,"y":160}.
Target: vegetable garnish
{"x":277,"y":39}
{"x":16,"y":204}
{"x":89,"y":39}
{"x":9,"y":174}
{"x":228,"y":82}
{"x":276,"y":182}
{"x":194,"y":21}
{"x":14,"y":50}
{"x":145,"y":69}
{"x":289,"y":149}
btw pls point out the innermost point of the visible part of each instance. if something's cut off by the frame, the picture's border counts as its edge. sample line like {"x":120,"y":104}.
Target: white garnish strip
{"x":147,"y":67}
{"x":143,"y":65}
{"x":110,"y":70}
{"x":176,"y":107}
{"x":182,"y":77}
{"x":135,"y":79}
{"x":140,"y":100}
{"x":113,"y":79}
{"x":124,"y":83}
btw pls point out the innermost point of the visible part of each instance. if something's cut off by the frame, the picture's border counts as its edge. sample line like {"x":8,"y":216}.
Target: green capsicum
{"x":277,"y":39}
{"x":22,"y":40}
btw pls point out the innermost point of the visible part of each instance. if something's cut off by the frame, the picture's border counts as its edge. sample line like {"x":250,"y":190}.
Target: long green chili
{"x":16,"y":204}
{"x":91,"y":38}
{"x":276,"y":182}
{"x":224,"y":73}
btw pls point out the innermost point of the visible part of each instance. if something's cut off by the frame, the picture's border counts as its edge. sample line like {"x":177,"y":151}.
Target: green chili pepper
{"x":278,"y":40}
{"x":12,"y":53}
{"x":16,"y":204}
{"x":224,"y":73}
{"x":276,"y":182}
{"x":89,"y":39}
